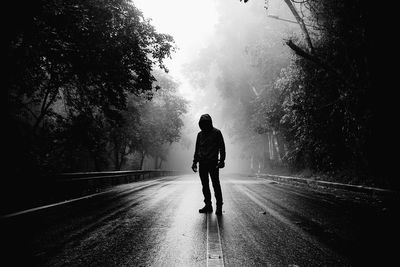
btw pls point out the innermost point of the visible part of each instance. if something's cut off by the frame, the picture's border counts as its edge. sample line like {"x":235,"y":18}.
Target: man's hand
{"x":194,"y":167}
{"x":221,"y":164}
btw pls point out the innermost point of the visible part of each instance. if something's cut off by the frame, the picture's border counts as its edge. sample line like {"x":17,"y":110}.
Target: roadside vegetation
{"x":302,"y":98}
{"x":87,"y":88}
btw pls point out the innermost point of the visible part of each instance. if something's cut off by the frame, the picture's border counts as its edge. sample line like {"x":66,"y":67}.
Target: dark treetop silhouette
{"x":209,"y":144}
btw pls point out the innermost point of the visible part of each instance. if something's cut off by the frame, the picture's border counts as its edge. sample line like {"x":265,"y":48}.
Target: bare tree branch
{"x":301,"y":23}
{"x":299,"y":51}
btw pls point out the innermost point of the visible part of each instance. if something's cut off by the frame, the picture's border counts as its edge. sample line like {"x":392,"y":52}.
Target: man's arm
{"x":196,"y":151}
{"x":221,"y":147}
{"x":196,"y":155}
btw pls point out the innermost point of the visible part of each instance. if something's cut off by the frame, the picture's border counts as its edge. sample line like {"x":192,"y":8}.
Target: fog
{"x":215,"y":67}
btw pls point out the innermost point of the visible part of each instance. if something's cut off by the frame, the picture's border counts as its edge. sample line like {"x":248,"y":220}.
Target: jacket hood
{"x":205,"y":122}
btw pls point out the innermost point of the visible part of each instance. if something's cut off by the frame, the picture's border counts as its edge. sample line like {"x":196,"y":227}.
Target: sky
{"x":190,"y":22}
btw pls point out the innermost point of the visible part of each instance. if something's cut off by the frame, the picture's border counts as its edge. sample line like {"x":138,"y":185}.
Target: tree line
{"x":324,"y":107}
{"x":87,"y":88}
{"x":309,"y":101}
{"x":325,"y":104}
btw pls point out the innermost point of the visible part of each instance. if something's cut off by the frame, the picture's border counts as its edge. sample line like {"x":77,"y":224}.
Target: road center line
{"x":214,"y":248}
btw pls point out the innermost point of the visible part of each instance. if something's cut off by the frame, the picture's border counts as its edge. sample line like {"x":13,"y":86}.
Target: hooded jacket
{"x":209,"y":142}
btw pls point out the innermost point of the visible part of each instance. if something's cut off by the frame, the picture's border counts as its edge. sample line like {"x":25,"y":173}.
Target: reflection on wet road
{"x":156,"y":223}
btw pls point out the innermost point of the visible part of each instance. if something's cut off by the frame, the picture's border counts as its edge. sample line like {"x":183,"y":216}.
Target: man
{"x":209,"y":144}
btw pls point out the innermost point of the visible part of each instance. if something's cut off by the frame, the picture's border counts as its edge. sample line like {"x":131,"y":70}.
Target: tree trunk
{"x":96,"y":162}
{"x":156,"y":162}
{"x":122,"y":161}
{"x":275,"y":148}
{"x":267,"y":152}
{"x":116,"y":156}
{"x":270,"y":146}
{"x":44,"y":109}
{"x":281,"y":146}
{"x":159,"y":165}
{"x":142,"y":159}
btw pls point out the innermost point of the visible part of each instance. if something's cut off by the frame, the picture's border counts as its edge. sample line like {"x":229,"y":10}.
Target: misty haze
{"x":199,"y":133}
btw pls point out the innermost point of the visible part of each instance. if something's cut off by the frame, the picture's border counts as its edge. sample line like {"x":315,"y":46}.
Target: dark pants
{"x":206,"y":168}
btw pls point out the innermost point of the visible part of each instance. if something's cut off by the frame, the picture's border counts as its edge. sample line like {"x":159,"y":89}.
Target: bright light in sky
{"x":190,"y":22}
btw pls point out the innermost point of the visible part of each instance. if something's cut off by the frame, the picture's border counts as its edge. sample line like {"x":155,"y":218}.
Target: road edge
{"x":311,"y":182}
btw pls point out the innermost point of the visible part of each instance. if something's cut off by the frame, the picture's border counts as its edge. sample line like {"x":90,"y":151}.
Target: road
{"x":156,"y":223}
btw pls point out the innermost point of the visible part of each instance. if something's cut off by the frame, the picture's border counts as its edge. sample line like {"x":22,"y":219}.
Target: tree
{"x":161,"y":122}
{"x":327,"y":101}
{"x":149,"y":126}
{"x":75,"y":59}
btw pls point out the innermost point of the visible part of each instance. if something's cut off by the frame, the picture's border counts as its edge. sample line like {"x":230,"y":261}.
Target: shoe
{"x":206,"y":209}
{"x":218,"y":210}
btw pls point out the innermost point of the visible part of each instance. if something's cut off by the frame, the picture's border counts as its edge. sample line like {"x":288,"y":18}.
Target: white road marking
{"x":52,"y":205}
{"x":77,"y":199}
{"x":214,"y":248}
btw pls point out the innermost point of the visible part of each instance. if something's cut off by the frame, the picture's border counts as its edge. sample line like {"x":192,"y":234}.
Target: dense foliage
{"x":79,"y":79}
{"x":303,"y":98}
{"x":325,"y":103}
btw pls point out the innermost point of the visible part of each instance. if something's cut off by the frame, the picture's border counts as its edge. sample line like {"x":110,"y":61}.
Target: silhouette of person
{"x":209,"y":144}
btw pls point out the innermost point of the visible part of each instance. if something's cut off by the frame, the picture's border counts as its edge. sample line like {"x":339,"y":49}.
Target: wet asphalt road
{"x":156,"y":223}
